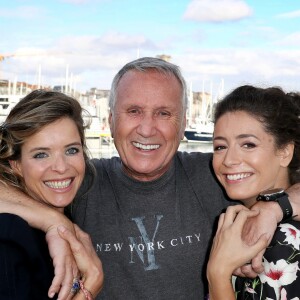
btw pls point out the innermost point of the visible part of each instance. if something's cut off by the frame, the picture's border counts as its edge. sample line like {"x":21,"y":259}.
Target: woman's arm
{"x":229,"y":251}
{"x":88,"y":262}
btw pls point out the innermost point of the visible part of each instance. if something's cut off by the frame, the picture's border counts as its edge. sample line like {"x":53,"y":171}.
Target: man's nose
{"x":147,"y":126}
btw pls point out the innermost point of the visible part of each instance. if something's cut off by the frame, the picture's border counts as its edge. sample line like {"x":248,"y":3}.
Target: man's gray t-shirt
{"x":153,"y":238}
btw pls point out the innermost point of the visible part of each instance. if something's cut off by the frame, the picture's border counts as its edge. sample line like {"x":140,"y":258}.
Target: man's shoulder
{"x":198,"y":167}
{"x":195,"y":160}
{"x":195,"y":155}
{"x":104,"y":164}
{"x":105,"y":170}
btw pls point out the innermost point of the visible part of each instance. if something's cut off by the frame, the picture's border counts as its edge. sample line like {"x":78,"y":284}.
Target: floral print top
{"x":281,"y":277}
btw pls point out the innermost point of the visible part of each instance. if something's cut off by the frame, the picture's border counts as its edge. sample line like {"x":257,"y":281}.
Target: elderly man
{"x":151,"y":211}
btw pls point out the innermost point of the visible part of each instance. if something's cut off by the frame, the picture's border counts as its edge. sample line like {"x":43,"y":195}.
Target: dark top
{"x":281,"y":277}
{"x":26,"y":270}
{"x":152,"y":237}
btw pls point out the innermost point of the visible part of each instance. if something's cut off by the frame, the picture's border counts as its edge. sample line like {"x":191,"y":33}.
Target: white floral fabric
{"x":281,"y":277}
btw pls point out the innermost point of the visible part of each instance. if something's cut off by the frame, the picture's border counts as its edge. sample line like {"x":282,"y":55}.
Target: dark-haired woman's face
{"x":52,"y":163}
{"x":245,"y":158}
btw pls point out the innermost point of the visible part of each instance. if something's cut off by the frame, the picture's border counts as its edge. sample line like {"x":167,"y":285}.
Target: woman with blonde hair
{"x":43,"y":153}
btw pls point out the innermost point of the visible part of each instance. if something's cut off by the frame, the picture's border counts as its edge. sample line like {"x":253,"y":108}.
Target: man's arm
{"x":266,"y":222}
{"x":37,"y":214}
{"x":270,"y":215}
{"x":43,"y":217}
{"x":294,"y":196}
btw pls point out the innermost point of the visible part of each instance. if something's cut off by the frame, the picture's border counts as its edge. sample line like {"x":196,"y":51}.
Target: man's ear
{"x":16,"y":167}
{"x":286,"y":153}
{"x":111,"y":125}
{"x":183,"y":126}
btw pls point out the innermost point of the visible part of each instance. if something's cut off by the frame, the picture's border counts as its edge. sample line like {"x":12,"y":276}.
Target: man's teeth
{"x":238,"y":176}
{"x":145,"y":147}
{"x":58,"y":184}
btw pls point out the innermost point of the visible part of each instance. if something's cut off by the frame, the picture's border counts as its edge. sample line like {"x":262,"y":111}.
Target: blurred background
{"x":77,"y":46}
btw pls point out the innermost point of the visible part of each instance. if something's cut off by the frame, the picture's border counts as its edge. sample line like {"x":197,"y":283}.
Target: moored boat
{"x":200,"y":133}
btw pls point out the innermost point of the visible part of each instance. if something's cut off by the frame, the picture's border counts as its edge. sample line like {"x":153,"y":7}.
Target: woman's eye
{"x":249,"y":145}
{"x":40,"y":155}
{"x":72,"y":151}
{"x":219,"y":148}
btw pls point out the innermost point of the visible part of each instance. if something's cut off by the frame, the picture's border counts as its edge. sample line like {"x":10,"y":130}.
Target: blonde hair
{"x":31,"y":114}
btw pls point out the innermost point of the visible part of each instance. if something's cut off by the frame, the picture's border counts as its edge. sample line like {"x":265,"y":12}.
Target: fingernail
{"x":51,"y":295}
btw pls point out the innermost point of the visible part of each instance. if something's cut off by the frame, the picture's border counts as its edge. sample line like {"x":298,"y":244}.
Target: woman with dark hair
{"x":256,"y":158}
{"x":43,"y":153}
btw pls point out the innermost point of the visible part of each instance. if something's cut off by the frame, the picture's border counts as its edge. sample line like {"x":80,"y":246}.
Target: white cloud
{"x":92,"y":65}
{"x":290,"y":40}
{"x":290,"y":15}
{"x":89,"y":58}
{"x":241,"y":66}
{"x":125,"y":40}
{"x":217,"y":10}
{"x":111,"y":42}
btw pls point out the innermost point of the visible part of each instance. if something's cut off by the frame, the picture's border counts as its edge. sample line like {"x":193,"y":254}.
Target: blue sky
{"x":234,"y":41}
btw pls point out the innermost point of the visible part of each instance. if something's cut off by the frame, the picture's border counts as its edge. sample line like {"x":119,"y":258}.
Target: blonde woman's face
{"x":52,"y":163}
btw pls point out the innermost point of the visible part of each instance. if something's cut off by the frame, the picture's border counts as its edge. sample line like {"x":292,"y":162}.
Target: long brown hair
{"x":31,"y":114}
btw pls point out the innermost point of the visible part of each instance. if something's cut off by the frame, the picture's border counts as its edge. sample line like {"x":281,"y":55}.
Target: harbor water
{"x":100,"y":148}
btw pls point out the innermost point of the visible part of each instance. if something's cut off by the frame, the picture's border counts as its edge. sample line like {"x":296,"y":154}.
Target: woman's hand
{"x":88,"y":262}
{"x":65,"y":266}
{"x":229,"y":251}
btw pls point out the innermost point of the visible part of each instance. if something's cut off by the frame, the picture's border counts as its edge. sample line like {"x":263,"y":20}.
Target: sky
{"x":218,"y":44}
